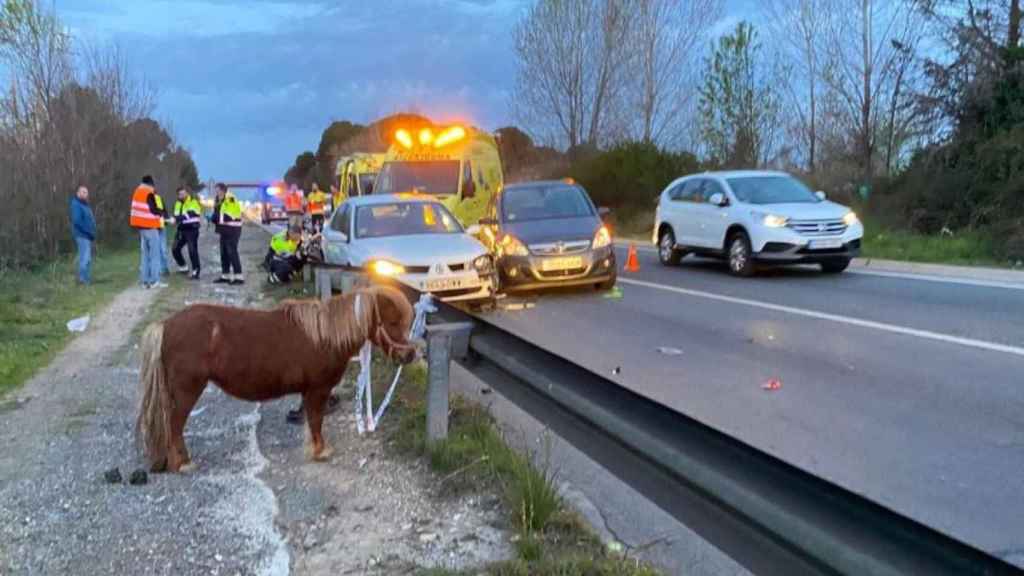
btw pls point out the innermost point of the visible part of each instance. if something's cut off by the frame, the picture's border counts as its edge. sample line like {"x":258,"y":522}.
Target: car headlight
{"x":850,"y":218}
{"x":602,"y":238}
{"x":512,"y":246}
{"x":483,"y":264}
{"x":772,"y":220}
{"x":386,"y":268}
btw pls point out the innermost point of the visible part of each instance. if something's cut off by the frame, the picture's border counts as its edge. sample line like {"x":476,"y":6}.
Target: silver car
{"x":414,"y":239}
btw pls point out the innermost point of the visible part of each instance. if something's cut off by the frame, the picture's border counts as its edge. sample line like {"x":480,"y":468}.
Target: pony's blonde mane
{"x":337,"y":324}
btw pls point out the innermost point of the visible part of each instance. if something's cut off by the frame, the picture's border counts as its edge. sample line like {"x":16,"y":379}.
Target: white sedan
{"x":414,"y":239}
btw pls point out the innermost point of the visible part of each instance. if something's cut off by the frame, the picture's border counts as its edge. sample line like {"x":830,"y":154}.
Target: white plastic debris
{"x":78,"y":324}
{"x":669,"y":351}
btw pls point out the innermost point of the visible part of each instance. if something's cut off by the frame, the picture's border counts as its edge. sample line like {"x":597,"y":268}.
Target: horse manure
{"x":113,"y":476}
{"x":138,"y":478}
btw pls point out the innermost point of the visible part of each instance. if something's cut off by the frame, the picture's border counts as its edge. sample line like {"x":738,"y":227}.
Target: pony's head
{"x":391,"y":322}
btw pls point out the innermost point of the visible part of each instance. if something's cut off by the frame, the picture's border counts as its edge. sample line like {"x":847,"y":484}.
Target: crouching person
{"x":285,"y":257}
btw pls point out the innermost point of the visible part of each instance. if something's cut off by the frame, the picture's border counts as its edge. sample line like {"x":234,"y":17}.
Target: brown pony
{"x":301,"y":347}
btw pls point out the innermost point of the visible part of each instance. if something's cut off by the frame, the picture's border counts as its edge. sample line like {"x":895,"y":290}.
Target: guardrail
{"x":770,"y":516}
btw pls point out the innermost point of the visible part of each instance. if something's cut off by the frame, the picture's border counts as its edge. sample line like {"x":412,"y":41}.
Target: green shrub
{"x":629,"y":177}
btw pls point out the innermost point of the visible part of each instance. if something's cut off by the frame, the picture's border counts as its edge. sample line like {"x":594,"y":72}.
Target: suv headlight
{"x":483,"y":264}
{"x":850,"y":218}
{"x":386,"y":268}
{"x":771,"y":220}
{"x":512,"y":246}
{"x":602,"y":238}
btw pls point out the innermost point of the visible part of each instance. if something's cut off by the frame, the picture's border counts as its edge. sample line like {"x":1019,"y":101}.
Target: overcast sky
{"x":248,"y":84}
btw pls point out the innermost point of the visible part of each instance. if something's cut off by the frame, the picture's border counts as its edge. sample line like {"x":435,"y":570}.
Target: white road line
{"x":925,"y":334}
{"x":941,"y":279}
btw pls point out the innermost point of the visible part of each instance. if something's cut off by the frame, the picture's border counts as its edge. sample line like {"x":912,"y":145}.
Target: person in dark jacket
{"x":83,"y":228}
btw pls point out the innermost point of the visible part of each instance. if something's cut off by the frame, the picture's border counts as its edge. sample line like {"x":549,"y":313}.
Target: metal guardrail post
{"x":444,"y":341}
{"x":323,"y":283}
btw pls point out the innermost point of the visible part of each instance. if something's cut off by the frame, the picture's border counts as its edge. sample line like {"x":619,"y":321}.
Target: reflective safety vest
{"x":282,"y":246}
{"x":293,"y":202}
{"x":316,"y":202}
{"x":231,"y":212}
{"x":160,"y":206}
{"x":188,"y":212}
{"x":141,"y":216}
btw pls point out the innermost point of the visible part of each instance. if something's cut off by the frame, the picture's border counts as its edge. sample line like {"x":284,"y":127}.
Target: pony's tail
{"x":153,"y":426}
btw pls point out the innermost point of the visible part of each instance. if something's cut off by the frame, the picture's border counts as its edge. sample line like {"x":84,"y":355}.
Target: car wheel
{"x":668,"y":254}
{"x":741,"y":259}
{"x":834,"y":266}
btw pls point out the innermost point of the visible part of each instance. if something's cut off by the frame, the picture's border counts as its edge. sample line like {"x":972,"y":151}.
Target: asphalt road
{"x":908,"y":391}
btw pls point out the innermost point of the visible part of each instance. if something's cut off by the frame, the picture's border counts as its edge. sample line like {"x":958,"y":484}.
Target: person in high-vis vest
{"x":188,"y":215}
{"x":336,"y":198}
{"x":146,"y":217}
{"x":165,"y":268}
{"x":230,"y":221}
{"x":293,"y":206}
{"x":285,"y":257}
{"x":317,"y":202}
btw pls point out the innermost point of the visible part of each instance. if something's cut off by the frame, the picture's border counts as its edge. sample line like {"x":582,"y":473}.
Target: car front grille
{"x":817,"y":227}
{"x":551,"y":248}
{"x":561,"y":274}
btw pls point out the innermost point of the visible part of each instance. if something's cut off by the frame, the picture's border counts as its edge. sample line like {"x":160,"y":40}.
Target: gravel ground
{"x":254,"y":505}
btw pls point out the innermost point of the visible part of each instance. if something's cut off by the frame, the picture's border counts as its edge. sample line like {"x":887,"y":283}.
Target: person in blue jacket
{"x":83,"y":228}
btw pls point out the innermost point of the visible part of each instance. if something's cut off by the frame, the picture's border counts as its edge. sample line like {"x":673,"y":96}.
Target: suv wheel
{"x":834,"y":266}
{"x":741,"y":259}
{"x":668,"y":254}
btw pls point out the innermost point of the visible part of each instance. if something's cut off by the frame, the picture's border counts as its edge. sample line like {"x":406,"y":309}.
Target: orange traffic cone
{"x":632,"y":265}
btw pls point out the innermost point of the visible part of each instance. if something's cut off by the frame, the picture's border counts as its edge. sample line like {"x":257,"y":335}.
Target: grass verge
{"x":962,"y":248}
{"x":551,"y":539}
{"x":36,"y":304}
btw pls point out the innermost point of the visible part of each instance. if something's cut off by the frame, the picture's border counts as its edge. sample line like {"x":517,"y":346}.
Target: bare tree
{"x":571,"y":62}
{"x":800,"y":27}
{"x":867,"y":46}
{"x":663,"y":41}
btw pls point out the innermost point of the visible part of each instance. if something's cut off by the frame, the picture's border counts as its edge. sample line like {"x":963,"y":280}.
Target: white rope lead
{"x":419,"y":324}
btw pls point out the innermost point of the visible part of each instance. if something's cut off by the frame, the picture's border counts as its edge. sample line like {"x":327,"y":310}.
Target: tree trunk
{"x":1013,"y":33}
{"x":865,"y":112}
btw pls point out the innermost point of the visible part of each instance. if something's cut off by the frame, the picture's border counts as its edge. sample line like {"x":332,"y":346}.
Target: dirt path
{"x":254,"y":506}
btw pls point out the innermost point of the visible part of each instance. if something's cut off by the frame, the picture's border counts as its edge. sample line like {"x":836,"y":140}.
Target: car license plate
{"x":562,"y":263}
{"x":825,"y":244}
{"x":444,"y":284}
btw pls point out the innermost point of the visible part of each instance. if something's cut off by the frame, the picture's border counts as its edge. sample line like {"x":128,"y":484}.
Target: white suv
{"x":754,"y":217}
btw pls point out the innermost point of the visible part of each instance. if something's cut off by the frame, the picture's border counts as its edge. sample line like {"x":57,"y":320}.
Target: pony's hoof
{"x":187,"y":468}
{"x":324,"y":455}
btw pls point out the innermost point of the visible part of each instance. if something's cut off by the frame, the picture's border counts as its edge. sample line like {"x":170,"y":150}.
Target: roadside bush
{"x":628,"y":177}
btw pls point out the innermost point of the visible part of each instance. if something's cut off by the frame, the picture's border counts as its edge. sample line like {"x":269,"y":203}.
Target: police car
{"x":414,"y":239}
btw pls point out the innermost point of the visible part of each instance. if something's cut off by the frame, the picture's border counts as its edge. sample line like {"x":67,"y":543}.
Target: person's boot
{"x":222,"y":280}
{"x":237,"y":280}
{"x":194,"y":275}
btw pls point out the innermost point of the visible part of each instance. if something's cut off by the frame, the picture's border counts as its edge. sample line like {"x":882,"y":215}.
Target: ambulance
{"x":457,"y":164}
{"x":356,"y":173}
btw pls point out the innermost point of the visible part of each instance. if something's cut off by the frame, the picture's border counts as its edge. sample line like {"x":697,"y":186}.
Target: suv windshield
{"x":429,"y":177}
{"x":544,"y":202}
{"x":404,"y":219}
{"x":771,"y":190}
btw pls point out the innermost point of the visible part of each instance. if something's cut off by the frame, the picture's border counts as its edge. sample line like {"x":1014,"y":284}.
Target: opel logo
{"x":559,"y":247}
{"x":821,"y":226}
